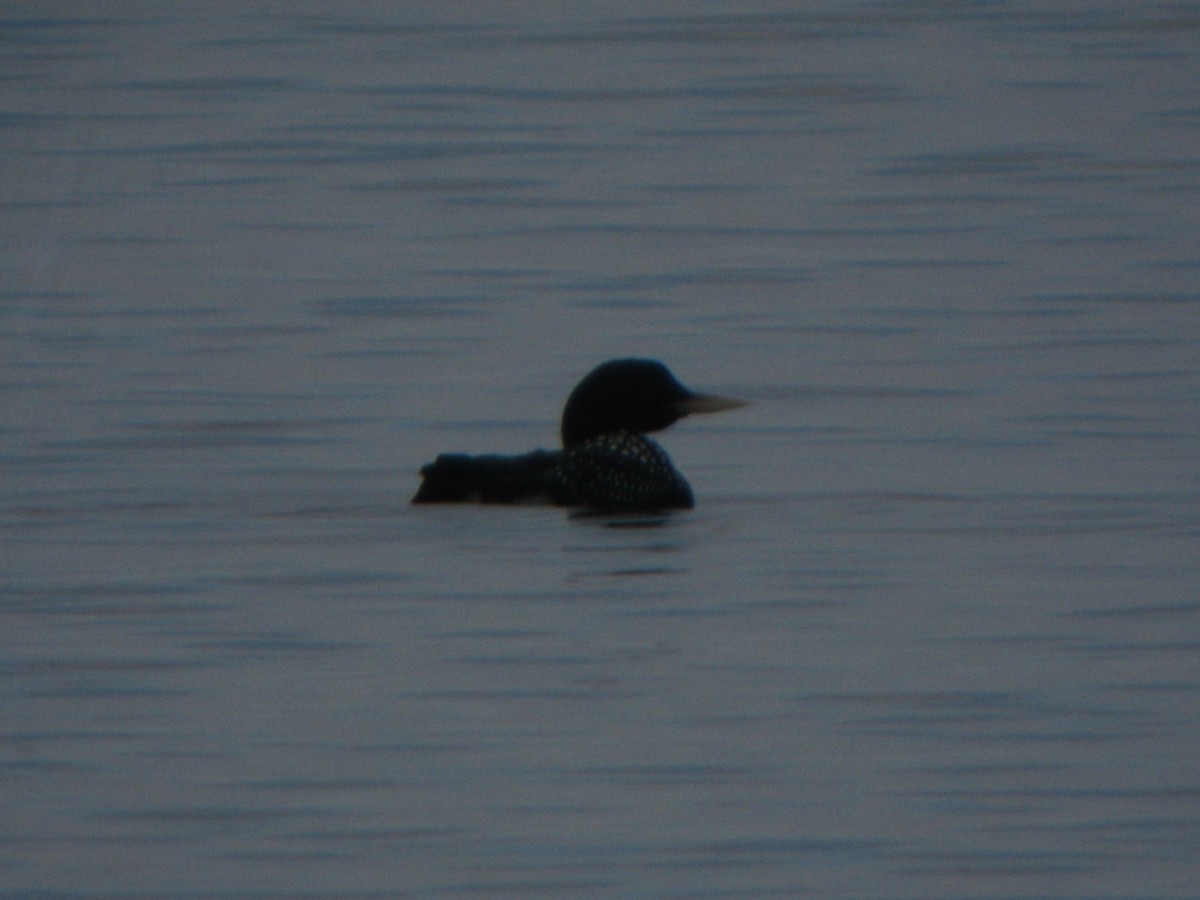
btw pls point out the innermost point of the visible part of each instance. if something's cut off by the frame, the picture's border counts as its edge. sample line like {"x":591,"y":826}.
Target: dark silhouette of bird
{"x":607,"y":462}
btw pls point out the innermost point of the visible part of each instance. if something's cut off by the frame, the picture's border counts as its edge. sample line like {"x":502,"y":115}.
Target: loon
{"x":607,"y":463}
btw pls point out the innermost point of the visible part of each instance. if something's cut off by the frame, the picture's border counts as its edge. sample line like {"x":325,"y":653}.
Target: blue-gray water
{"x":933,"y":629}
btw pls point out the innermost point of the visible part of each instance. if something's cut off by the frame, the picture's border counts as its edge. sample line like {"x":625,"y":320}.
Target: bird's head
{"x":636,"y":395}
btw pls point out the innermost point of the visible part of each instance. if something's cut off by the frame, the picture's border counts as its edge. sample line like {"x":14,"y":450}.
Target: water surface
{"x":932,"y":629}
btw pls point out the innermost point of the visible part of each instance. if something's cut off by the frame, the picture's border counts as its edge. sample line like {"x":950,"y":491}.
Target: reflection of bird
{"x":606,"y":463}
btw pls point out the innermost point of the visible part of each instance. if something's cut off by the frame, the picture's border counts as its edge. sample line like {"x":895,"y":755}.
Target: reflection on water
{"x":931,"y":629}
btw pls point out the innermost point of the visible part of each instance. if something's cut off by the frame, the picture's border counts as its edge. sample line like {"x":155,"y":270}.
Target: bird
{"x":607,"y":463}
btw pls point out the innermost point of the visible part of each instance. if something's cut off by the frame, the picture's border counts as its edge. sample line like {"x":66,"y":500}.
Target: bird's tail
{"x":459,"y":478}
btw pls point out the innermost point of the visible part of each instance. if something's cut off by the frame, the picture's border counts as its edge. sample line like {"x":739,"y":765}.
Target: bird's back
{"x":621,"y":471}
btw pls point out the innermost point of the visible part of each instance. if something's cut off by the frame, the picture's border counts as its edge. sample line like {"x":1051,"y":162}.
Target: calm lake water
{"x":933,"y":629}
